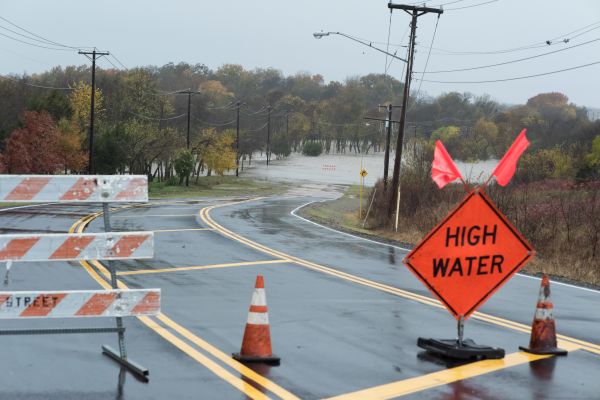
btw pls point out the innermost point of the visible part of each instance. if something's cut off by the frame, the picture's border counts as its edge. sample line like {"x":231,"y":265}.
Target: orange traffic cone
{"x":543,"y":329}
{"x":256,"y":345}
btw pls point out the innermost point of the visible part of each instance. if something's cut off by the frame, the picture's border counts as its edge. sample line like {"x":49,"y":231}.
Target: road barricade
{"x":108,"y":246}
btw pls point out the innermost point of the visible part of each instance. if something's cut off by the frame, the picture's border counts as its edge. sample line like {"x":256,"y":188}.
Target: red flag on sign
{"x":507,"y":166}
{"x":443,"y":169}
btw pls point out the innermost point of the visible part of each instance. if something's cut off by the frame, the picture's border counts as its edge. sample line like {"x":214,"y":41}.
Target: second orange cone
{"x":543,"y":329}
{"x":256,"y":345}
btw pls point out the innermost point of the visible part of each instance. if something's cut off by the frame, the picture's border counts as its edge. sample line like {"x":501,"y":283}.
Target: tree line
{"x":141,"y":120}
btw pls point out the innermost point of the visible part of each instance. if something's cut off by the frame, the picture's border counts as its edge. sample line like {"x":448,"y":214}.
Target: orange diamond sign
{"x":469,"y":255}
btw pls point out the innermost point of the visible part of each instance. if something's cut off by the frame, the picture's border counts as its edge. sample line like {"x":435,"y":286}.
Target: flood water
{"x":343,"y":168}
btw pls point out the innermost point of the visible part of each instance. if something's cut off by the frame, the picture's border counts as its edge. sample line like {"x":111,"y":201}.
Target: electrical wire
{"x":157,"y":119}
{"x":263,"y":109}
{"x":517,"y":77}
{"x":35,"y":85}
{"x":393,"y":58}
{"x":111,"y":63}
{"x":550,"y":42}
{"x":225,"y":107}
{"x":427,"y":61}
{"x":43,"y":38}
{"x":25,"y":36}
{"x":511,"y":61}
{"x":33,"y":44}
{"x":118,"y":61}
{"x":387,"y":47}
{"x":471,"y":6}
{"x":257,"y":129}
{"x":214,"y":124}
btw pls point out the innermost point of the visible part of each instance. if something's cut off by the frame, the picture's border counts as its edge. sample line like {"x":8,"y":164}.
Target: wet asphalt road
{"x":334,"y":335}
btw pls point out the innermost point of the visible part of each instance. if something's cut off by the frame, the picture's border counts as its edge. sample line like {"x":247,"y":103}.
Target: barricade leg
{"x":120,"y":357}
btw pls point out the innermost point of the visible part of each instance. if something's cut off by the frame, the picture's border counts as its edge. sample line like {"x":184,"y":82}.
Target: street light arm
{"x":319,"y":35}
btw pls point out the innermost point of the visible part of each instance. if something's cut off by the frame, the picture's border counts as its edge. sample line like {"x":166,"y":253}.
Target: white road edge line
{"x":295,"y":210}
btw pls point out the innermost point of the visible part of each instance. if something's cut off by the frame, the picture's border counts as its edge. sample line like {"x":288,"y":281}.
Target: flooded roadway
{"x":344,"y":312}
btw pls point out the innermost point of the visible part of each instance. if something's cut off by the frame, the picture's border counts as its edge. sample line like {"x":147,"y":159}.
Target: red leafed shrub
{"x":33,"y":148}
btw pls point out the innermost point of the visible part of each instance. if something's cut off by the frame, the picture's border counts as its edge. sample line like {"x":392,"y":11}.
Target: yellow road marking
{"x":246,"y":372}
{"x":207,"y":219}
{"x":200,"y":267}
{"x":428,"y":381}
{"x":154,"y":215}
{"x":221,"y":372}
{"x":182,"y":230}
{"x":241,"y":368}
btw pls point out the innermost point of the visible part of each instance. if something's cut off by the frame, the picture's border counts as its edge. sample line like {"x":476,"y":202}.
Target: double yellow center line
{"x":242,"y":385}
{"x":207,"y":219}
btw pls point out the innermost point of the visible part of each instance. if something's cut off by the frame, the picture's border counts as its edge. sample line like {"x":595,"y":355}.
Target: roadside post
{"x":469,"y":255}
{"x":363,"y":173}
{"x":116,"y":303}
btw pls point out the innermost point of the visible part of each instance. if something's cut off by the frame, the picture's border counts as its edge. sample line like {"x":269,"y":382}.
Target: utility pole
{"x":386,"y":160}
{"x":269,"y":108}
{"x":415,"y":12}
{"x":237,"y":140}
{"x":189,"y":92}
{"x":94,"y":55}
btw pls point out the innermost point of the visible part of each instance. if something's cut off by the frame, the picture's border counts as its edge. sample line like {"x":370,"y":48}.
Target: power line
{"x":111,"y":63}
{"x":511,"y":61}
{"x":229,"y":106}
{"x":25,"y":36}
{"x":550,"y":42}
{"x":43,"y":38}
{"x":517,"y":77}
{"x":118,"y":61}
{"x":33,"y":44}
{"x":471,"y":6}
{"x":257,"y":129}
{"x":427,"y":61}
{"x":157,"y":119}
{"x":35,"y":85}
{"x":215,"y":124}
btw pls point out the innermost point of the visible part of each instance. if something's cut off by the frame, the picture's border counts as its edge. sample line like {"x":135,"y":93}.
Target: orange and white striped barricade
{"x":82,"y":246}
{"x":108,"y":245}
{"x":74,"y":188}
{"x":79,"y":303}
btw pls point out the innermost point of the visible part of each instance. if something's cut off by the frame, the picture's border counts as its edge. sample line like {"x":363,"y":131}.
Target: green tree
{"x":184,"y":164}
{"x":216,"y":150}
{"x":57,"y":104}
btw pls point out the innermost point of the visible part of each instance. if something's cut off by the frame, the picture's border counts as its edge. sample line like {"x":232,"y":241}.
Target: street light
{"x":319,"y":35}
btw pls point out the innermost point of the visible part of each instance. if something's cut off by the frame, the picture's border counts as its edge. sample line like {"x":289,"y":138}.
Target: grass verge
{"x":216,"y":186}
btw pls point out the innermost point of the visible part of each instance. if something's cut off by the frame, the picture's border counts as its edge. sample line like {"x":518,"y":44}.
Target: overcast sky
{"x":278,"y":34}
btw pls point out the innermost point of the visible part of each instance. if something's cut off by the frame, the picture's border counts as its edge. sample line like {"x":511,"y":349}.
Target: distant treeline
{"x":141,"y":122}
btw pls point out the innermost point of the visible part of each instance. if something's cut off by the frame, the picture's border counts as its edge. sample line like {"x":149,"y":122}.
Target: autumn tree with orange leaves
{"x":39,"y":147}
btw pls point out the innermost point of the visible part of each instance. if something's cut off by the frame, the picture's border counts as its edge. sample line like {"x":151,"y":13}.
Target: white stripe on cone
{"x":544,"y":314}
{"x":259,"y":297}
{"x":255,"y":318}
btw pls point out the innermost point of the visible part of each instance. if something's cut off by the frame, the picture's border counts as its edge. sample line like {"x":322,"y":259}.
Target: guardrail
{"x":108,"y":246}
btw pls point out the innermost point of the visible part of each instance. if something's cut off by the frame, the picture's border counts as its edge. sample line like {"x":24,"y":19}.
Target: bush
{"x":312,"y":149}
{"x":543,"y":164}
{"x":172,"y":181}
{"x":184,"y":164}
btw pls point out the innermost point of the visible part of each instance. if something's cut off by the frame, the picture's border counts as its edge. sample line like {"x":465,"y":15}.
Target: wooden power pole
{"x":415,"y":12}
